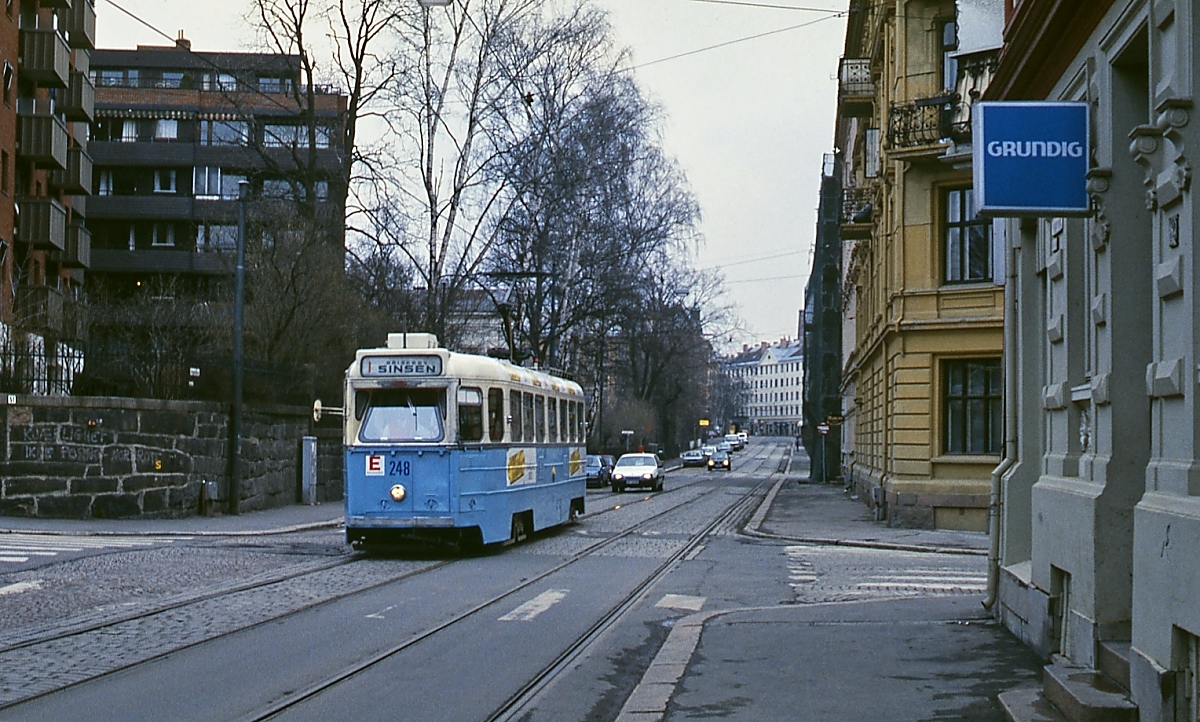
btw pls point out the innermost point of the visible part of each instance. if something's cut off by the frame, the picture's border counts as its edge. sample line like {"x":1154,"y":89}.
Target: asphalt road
{"x":571,"y":625}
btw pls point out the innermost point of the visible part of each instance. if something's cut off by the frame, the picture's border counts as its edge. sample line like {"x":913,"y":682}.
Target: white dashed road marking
{"x":681,"y":601}
{"x":19,"y":548}
{"x":20,"y":587}
{"x":531,"y":609}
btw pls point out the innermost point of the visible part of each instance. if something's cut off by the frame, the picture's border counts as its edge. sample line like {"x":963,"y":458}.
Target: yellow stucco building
{"x":923,"y":305}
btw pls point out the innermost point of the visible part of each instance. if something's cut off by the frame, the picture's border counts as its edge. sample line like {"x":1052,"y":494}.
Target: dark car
{"x":692,"y":457}
{"x":599,"y":474}
{"x":720,"y":460}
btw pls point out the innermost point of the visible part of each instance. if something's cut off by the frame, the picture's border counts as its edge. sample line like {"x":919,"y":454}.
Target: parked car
{"x":720,"y":460}
{"x":598,"y":473}
{"x":693,"y":457}
{"x":642,"y":470}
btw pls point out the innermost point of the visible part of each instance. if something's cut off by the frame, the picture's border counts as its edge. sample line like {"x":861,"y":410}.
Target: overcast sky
{"x":748,"y":122}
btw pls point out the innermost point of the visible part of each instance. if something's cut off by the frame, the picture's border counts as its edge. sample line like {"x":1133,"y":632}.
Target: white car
{"x":642,"y":470}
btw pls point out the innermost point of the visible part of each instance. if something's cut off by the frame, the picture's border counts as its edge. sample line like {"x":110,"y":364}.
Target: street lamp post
{"x":235,"y":421}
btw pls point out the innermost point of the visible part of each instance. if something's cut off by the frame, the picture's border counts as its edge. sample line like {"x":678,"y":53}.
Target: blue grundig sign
{"x":1030,"y":158}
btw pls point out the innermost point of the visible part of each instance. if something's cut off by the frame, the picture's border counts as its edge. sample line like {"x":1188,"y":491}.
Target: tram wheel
{"x":520,"y":532}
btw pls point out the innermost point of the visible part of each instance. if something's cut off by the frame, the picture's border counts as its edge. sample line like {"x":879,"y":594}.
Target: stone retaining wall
{"x":80,"y":457}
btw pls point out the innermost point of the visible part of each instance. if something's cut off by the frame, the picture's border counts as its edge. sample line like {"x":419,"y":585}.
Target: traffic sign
{"x":822,"y":429}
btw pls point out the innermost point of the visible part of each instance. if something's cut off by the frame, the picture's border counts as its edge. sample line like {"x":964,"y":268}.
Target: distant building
{"x":773,"y":378}
{"x":45,"y":171}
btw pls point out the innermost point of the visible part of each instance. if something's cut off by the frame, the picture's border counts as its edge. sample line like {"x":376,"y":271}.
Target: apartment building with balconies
{"x":922,"y":292}
{"x":176,"y":132}
{"x":45,"y":176}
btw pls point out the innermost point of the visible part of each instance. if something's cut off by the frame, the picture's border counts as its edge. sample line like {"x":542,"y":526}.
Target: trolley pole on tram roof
{"x":235,"y":421}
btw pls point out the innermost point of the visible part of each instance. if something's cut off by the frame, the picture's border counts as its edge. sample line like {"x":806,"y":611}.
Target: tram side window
{"x":470,"y":414}
{"x":571,"y":420}
{"x":527,"y":416}
{"x":495,"y":414}
{"x":514,"y":405}
{"x":539,"y":417}
{"x":579,"y":421}
{"x":407,"y":415}
{"x":562,"y":415}
{"x":552,"y":419}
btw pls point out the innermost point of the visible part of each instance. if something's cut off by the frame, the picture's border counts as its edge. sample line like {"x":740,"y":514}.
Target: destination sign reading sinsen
{"x":402,"y":366}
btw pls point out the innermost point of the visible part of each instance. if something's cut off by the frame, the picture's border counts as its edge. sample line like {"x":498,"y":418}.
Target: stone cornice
{"x":1040,"y":40}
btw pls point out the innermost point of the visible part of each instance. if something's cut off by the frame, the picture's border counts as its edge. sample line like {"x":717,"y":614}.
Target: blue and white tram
{"x":443,"y":446}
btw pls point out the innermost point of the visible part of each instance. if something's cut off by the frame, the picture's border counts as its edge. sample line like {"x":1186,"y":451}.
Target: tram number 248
{"x":378,"y":466}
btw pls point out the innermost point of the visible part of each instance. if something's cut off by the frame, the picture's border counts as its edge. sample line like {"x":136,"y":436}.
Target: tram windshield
{"x":404,"y":415}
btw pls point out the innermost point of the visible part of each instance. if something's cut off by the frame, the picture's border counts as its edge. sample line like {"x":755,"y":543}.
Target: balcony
{"x":77,"y":177}
{"x":42,"y":140}
{"x":42,"y":224}
{"x":55,"y":3}
{"x":161,"y":261}
{"x":78,"y":250}
{"x":39,"y":309}
{"x":975,"y":72}
{"x":920,"y":126}
{"x":858,"y":213}
{"x":79,"y":102}
{"x":45,"y":57}
{"x":79,"y":21}
{"x":156,"y":207}
{"x":856,"y":88}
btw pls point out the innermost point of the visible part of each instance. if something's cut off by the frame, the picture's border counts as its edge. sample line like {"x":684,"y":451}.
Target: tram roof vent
{"x":412,"y":340}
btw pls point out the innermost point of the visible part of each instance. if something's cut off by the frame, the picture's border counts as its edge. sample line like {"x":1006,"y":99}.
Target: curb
{"x":308,"y":526}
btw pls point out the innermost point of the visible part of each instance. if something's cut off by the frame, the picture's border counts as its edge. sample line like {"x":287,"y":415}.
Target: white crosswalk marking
{"x":18,"y":548}
{"x":839,"y":573}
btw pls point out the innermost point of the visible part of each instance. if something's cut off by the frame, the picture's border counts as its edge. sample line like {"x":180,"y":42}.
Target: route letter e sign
{"x":1030,"y":158}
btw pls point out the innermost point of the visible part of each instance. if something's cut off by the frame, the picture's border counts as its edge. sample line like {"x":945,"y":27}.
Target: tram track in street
{"x":111,"y":627}
{"x":516,"y":703}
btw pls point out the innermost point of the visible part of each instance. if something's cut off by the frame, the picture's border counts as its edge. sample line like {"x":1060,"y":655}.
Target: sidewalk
{"x":291,"y":518}
{"x":917,"y":659}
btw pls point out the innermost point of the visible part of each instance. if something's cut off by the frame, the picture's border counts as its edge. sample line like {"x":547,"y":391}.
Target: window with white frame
{"x":166,"y":129}
{"x":206,"y":182}
{"x":106,"y":183}
{"x":967,"y":238}
{"x":163,"y":234}
{"x":219,"y":81}
{"x":223,"y":132}
{"x":215,"y":238}
{"x":164,"y":180}
{"x":129,"y":131}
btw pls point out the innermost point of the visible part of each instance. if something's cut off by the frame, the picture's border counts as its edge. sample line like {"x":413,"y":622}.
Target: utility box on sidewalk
{"x":308,"y":470}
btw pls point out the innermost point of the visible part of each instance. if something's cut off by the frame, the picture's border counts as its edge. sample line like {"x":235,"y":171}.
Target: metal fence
{"x":63,"y":370}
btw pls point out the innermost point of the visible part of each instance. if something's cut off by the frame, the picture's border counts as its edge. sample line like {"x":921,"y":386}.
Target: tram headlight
{"x":398,"y":492}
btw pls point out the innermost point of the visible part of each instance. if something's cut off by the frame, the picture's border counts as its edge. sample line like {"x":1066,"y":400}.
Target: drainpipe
{"x":995,"y":506}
